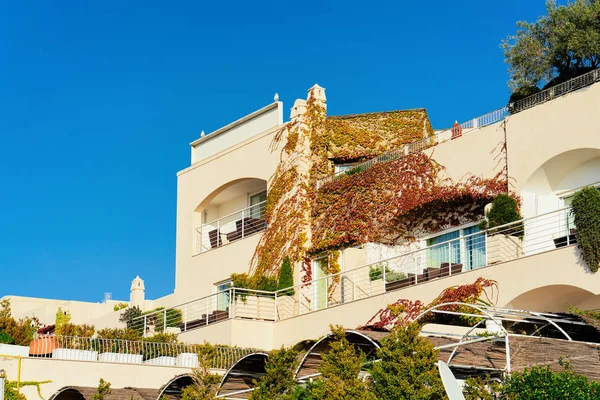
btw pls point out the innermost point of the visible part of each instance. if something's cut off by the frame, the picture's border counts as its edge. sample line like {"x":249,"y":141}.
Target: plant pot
{"x":163,"y":360}
{"x":121,"y":358}
{"x":42,"y":346}
{"x":187,"y":360}
{"x":70,"y":354}
{"x":502,"y":248}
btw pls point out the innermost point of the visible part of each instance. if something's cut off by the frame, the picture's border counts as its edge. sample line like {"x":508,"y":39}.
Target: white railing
{"x":423,"y":144}
{"x":132,"y":352}
{"x":435,"y":261}
{"x":217,"y":307}
{"x":555,"y":91}
{"x":475,"y":123}
{"x":505,"y":243}
{"x":230,"y":228}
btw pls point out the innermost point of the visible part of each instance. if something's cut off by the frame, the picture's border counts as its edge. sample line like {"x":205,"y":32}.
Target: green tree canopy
{"x":279,"y":381}
{"x":540,"y":382}
{"x":407,"y":369}
{"x":339,"y":370}
{"x":556,"y":47}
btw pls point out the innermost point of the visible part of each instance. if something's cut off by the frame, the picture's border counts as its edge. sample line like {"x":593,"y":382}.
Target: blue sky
{"x":99,"y":101}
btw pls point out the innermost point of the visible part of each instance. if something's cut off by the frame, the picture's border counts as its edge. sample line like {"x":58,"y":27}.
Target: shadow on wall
{"x":555,"y":298}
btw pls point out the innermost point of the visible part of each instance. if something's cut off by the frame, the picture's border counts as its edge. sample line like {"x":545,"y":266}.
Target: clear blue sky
{"x":99,"y":101}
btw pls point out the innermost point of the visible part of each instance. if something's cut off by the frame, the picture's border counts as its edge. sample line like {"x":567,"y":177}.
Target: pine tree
{"x":286,"y":277}
{"x":279,"y":381}
{"x":339,"y":372}
{"x":407,"y":369}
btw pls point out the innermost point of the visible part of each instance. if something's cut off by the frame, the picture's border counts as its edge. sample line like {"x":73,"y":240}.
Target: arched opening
{"x":89,"y":393}
{"x":232,"y":212}
{"x":549,"y":190}
{"x":238,"y":381}
{"x":174,"y":388}
{"x":67,"y":393}
{"x":555,"y":298}
{"x":312,"y":360}
{"x":558,"y":178}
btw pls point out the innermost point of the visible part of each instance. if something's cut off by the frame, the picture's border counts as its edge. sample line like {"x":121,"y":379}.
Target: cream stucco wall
{"x":249,"y":159}
{"x":81,"y":312}
{"x":84,"y":373}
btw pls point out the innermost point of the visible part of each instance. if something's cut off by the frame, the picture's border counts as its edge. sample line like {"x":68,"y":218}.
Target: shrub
{"x":129,"y":318}
{"x":540,"y":382}
{"x":205,"y":384}
{"x":6,"y":338}
{"x":102,"y":391}
{"x":376,"y":272}
{"x":407,"y":369}
{"x":119,"y":306}
{"x":279,"y":379}
{"x":286,"y":278}
{"x":586,"y":214}
{"x":119,"y":333}
{"x":505,"y":210}
{"x":339,"y":371}
{"x":22,"y":331}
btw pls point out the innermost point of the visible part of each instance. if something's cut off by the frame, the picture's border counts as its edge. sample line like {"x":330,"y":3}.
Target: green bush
{"x":407,"y":367}
{"x":376,"y":272}
{"x":286,"y":278}
{"x":6,"y":338}
{"x":586,"y":213}
{"x":540,"y":382}
{"x":279,"y":379}
{"x":129,"y":318}
{"x":505,"y":210}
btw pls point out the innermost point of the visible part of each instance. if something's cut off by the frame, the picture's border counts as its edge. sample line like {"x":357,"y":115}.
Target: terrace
{"x":435,"y":260}
{"x":458,"y":130}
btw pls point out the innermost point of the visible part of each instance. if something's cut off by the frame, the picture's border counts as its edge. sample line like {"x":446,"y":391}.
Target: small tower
{"x":137,"y":293}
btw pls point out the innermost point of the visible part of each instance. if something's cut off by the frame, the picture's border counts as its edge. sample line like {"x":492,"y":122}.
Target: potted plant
{"x":504,"y":243}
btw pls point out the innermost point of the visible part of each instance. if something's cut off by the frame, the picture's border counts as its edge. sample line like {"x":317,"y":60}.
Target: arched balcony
{"x":232,"y":212}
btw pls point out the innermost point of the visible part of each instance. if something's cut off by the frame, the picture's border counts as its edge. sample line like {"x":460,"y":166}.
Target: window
{"x":319,"y":270}
{"x":223,"y":295}
{"x":343,"y":167}
{"x":462,"y":246}
{"x":257,"y":205}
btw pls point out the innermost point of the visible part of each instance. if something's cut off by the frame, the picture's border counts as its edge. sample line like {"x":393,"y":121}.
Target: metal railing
{"x":423,"y":144}
{"x":433,"y":261}
{"x":556,"y":91}
{"x":217,"y":307}
{"x":437,"y":260}
{"x":230,"y":228}
{"x":132,"y":352}
{"x":475,"y":123}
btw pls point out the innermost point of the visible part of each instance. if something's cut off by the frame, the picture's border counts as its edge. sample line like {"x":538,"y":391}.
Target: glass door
{"x":223,"y":295}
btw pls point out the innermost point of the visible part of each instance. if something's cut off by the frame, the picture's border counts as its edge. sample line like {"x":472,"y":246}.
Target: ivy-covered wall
{"x":387,"y":203}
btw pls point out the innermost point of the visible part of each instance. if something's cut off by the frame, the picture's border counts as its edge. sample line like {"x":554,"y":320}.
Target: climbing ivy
{"x":387,"y":203}
{"x":586,"y":213}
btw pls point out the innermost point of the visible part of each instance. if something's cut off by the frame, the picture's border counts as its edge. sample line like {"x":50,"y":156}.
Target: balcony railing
{"x":480,"y":249}
{"x":571,"y":85}
{"x":131,"y":351}
{"x":476,"y":123}
{"x":423,"y":144}
{"x":217,"y":307}
{"x":509,"y":242}
{"x":230,"y":228}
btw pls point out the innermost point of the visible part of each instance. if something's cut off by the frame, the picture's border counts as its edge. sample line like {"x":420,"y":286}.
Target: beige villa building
{"x":262,"y":188}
